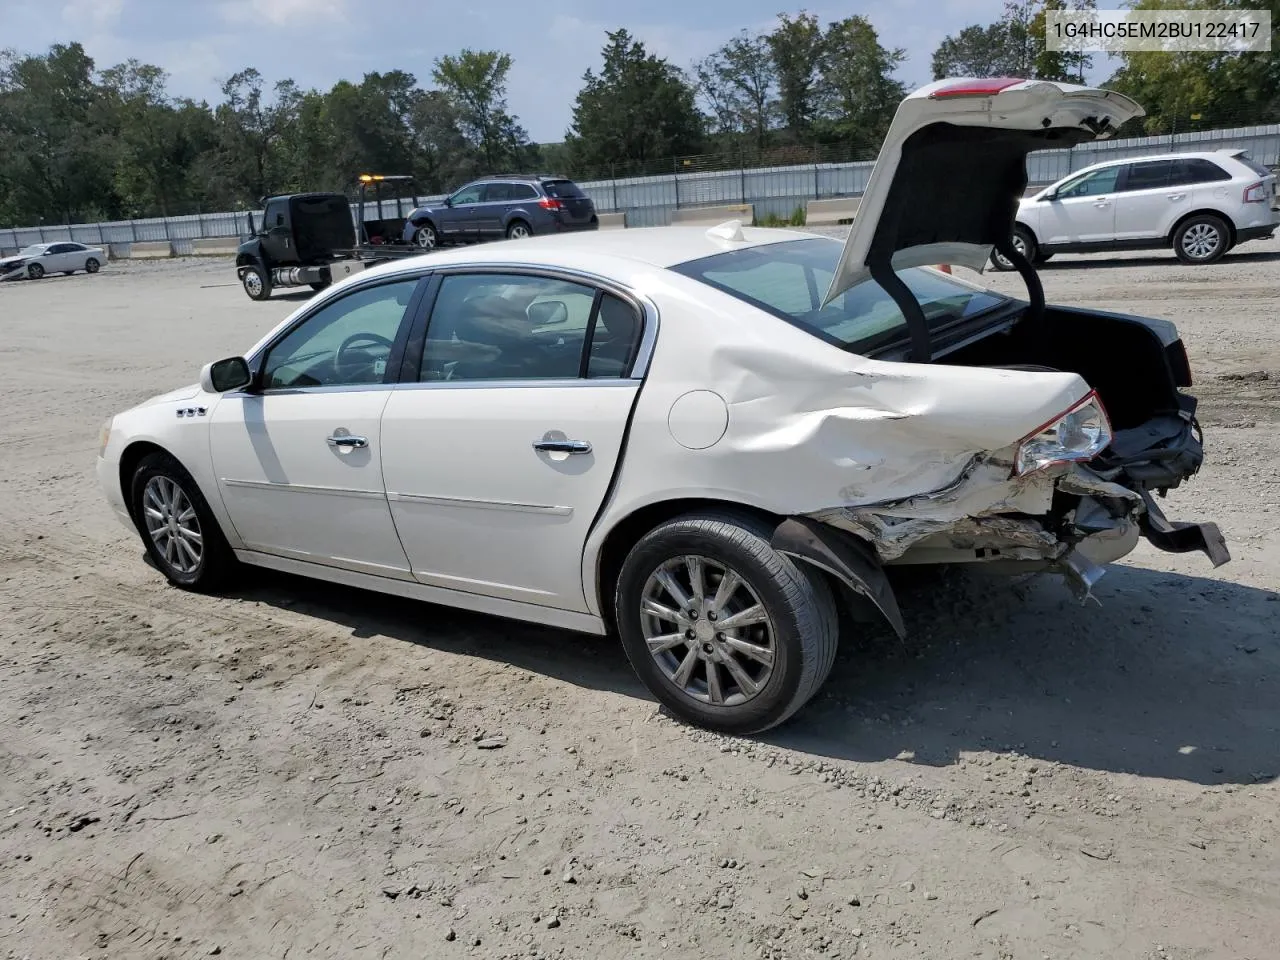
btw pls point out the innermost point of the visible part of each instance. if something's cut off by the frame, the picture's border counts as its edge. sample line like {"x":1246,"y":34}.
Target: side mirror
{"x":447,"y":201}
{"x":548,"y":312}
{"x":222,"y":376}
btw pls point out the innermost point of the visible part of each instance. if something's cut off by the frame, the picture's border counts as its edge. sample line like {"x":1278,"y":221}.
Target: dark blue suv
{"x":510,"y":206}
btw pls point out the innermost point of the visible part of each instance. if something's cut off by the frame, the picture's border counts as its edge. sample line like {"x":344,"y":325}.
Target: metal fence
{"x":651,"y":201}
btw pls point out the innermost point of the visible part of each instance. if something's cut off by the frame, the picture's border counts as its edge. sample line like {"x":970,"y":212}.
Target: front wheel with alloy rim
{"x":1202,"y":239}
{"x":1024,"y":243}
{"x":257,"y":282}
{"x":725,"y":631}
{"x":425,"y":238}
{"x":178,"y":529}
{"x":35,"y":271}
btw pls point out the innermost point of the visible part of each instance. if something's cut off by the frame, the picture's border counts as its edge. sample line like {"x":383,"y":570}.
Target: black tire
{"x":92,"y":265}
{"x":797,"y":600}
{"x":35,"y":271}
{"x":1030,"y":249}
{"x":256,"y":280}
{"x":1201,"y":239}
{"x":217,"y":562}
{"x":518,"y":230}
{"x":426,"y":238}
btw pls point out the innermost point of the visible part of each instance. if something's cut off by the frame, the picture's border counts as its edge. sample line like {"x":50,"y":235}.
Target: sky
{"x":552,"y":42}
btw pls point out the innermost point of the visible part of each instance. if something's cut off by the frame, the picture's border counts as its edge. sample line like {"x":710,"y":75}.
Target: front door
{"x":458,"y":219}
{"x":299,"y":459}
{"x":498,"y":458}
{"x":277,"y":242}
{"x":1083,"y":210}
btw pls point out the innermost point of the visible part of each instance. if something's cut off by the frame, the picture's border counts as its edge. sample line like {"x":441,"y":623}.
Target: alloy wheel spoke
{"x":743,"y":618}
{"x":685,"y":672}
{"x":693,"y":566}
{"x":741,"y":677}
{"x":655,"y":609}
{"x":714,"y":688}
{"x":761,"y":655}
{"x":729,"y":584}
{"x":666,"y":641}
{"x":674,"y":590}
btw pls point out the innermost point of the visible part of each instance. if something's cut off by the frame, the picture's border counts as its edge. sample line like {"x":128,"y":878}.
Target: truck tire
{"x":256,"y":281}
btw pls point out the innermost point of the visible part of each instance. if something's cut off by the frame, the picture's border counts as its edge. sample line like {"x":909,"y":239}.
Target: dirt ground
{"x":295,"y":770}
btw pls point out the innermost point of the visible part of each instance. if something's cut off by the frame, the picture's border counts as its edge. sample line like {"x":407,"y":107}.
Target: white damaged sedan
{"x":704,"y":441}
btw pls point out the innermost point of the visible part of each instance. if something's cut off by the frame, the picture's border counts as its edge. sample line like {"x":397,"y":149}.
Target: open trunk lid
{"x":946,"y":185}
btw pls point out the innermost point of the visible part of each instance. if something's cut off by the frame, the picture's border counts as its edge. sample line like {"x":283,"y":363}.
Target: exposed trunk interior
{"x":1122,"y":359}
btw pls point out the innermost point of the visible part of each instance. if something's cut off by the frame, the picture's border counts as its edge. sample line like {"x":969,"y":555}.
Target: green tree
{"x":975,"y":52}
{"x":639,"y":108}
{"x":858,"y":92}
{"x":253,"y":127}
{"x":476,"y":82}
{"x":738,"y":83}
{"x":796,"y":46}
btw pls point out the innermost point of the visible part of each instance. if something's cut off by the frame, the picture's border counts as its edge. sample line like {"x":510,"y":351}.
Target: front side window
{"x":789,"y":280}
{"x":1149,"y":175}
{"x":493,"y":326}
{"x":345,"y":343}
{"x":1091,"y":184}
{"x":467,"y":195}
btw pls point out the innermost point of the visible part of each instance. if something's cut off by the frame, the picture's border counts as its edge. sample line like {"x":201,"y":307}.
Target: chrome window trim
{"x":320,"y":303}
{"x":576,"y":383}
{"x":650,"y":317}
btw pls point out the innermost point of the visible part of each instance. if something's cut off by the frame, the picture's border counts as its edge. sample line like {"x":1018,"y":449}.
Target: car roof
{"x":520,"y":176}
{"x":661,"y":247}
{"x":1226,"y":153}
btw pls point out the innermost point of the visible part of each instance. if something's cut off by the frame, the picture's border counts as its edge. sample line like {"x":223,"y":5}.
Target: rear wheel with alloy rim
{"x":726,"y":632}
{"x":1024,"y":243}
{"x":92,"y":265}
{"x":180,"y":533}
{"x":518,"y":230}
{"x":1202,"y":239}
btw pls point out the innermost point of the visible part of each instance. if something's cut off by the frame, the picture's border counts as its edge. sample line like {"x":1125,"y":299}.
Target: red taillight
{"x":1256,"y":193}
{"x":550,"y":203}
{"x":986,"y":87}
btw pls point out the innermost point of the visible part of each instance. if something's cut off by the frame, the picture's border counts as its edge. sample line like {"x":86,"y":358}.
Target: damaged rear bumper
{"x":1072,"y":519}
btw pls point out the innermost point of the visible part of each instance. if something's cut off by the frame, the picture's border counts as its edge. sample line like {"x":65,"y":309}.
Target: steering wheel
{"x":357,"y":338}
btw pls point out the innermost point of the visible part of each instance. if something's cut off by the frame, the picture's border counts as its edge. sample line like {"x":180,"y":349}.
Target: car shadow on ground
{"x":1172,"y":676}
{"x":1155,"y":260}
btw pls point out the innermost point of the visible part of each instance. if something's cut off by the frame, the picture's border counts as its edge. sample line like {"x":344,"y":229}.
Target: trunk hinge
{"x":882,"y":272}
{"x":1035,"y":289}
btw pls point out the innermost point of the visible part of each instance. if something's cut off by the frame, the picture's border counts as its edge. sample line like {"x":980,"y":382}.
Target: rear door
{"x":576,"y":207}
{"x":490,"y":214}
{"x":1152,"y":194}
{"x":499,"y":454}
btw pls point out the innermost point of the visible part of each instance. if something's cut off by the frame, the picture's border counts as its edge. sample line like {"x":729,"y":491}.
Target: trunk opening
{"x":1123,"y":359}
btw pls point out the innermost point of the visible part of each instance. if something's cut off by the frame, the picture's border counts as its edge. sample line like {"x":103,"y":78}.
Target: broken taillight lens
{"x":1081,"y":433}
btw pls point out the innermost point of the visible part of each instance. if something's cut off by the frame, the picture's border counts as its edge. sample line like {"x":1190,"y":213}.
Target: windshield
{"x":32,"y":250}
{"x":789,"y":280}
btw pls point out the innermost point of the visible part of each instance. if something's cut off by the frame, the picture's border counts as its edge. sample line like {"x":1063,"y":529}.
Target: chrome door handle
{"x":1102,"y":203}
{"x":348,"y":442}
{"x":562,"y":446}
{"x":1176,"y":196}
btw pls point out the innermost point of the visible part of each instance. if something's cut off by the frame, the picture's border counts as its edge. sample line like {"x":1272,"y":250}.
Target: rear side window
{"x":523,"y":191}
{"x":1149,"y":175}
{"x":1199,"y":170}
{"x":562,"y":189}
{"x":1253,"y":165}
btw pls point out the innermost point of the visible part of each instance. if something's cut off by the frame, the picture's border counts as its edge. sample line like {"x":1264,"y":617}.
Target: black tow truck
{"x":315,"y":239}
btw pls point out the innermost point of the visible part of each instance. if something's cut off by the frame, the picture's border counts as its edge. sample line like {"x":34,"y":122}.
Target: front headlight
{"x":104,"y":437}
{"x":1081,"y":433}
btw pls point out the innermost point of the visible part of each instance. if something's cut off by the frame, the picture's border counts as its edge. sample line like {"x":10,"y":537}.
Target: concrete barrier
{"x":713,"y":215}
{"x":819,"y":212}
{"x":150,"y":250}
{"x":612,"y":221}
{"x":215,"y":246}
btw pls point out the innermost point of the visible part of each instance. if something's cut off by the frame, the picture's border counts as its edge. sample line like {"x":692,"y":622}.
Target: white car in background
{"x":1200,"y":204}
{"x":702,"y":441}
{"x":62,"y":256}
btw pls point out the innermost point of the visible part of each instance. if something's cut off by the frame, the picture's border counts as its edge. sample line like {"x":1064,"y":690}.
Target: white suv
{"x":1201,"y":204}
